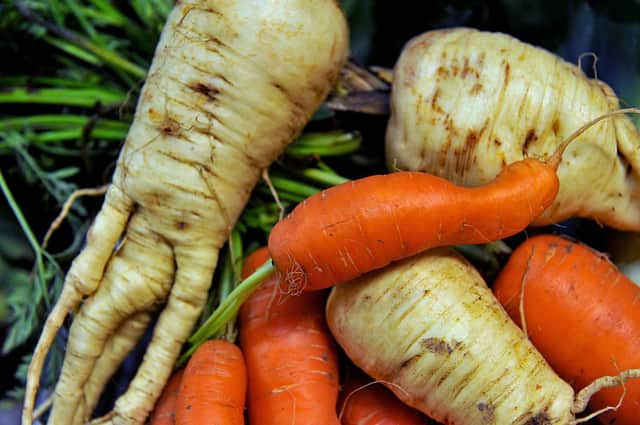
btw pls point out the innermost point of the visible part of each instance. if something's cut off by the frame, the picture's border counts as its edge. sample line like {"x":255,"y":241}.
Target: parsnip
{"x":431,"y":327}
{"x":231,"y":84}
{"x":466,"y":103}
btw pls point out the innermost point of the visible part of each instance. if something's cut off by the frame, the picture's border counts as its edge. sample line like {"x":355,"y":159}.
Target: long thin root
{"x":583,"y":397}
{"x":82,"y":279}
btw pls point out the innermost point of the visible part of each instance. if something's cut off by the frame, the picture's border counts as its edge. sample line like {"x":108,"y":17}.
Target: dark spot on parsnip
{"x":169,"y":126}
{"x":181,"y":225}
{"x":488,"y":411}
{"x":540,"y":419}
{"x":410,"y":361}
{"x":497,"y":142}
{"x":434,"y":102}
{"x":507,"y":73}
{"x":555,"y":127}
{"x":471,"y":140}
{"x":476,"y":89}
{"x":529,"y":138}
{"x":210,"y":92}
{"x":438,"y":345}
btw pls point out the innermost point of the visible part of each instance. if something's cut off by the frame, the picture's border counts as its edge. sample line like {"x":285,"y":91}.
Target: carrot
{"x":230,"y":85}
{"x":291,"y":357}
{"x":580,"y":312}
{"x":365,"y":402}
{"x":466,"y":103}
{"x":429,"y":328}
{"x":350,"y":229}
{"x":214,"y":386}
{"x":164,"y":412}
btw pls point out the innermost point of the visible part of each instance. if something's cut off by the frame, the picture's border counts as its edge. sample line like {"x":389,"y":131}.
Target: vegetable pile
{"x":258,"y":285}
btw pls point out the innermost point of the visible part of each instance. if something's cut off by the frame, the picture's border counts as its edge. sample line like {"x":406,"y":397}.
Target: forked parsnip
{"x":231,"y":84}
{"x":430,"y":327}
{"x":466,"y":103}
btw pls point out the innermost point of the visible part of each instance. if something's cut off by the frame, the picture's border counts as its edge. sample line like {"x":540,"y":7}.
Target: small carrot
{"x":580,"y":312}
{"x":365,"y":402}
{"x":291,"y":357}
{"x":164,"y":413}
{"x":213,"y":386}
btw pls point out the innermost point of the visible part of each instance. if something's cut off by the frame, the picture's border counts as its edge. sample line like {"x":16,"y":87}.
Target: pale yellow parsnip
{"x":431,"y":329}
{"x":465,"y":103}
{"x":230,"y":85}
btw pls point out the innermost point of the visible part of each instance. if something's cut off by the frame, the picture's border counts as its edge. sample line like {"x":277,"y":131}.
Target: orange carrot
{"x":349,"y":229}
{"x":213,"y":386}
{"x":367,"y":403}
{"x":581,"y":313}
{"x":164,"y":413}
{"x":291,"y":356}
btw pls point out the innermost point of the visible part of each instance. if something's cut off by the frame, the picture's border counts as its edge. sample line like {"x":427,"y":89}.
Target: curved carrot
{"x":291,"y":356}
{"x":164,"y":413}
{"x":349,"y":229}
{"x":367,"y":403}
{"x":581,"y":313}
{"x":213,"y":387}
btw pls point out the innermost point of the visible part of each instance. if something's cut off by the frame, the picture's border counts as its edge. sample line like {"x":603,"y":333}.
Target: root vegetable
{"x":214,"y":386}
{"x":292,"y":362}
{"x":430,"y":326}
{"x":350,"y":229}
{"x":582,"y":314}
{"x":467,"y":103}
{"x":231,"y":84}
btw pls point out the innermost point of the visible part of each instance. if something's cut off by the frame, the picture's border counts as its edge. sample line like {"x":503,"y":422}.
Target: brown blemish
{"x":555,"y":126}
{"x":167,"y":125}
{"x":438,"y":345}
{"x":507,"y":72}
{"x":434,"y":102}
{"x":181,"y":225}
{"x":210,"y":92}
{"x":476,"y":89}
{"x":497,"y":142}
{"x":530,"y":137}
{"x":465,"y":67}
{"x":409,"y":361}
{"x":471,"y":140}
{"x":442,"y":72}
{"x":540,"y":419}
{"x":488,"y":411}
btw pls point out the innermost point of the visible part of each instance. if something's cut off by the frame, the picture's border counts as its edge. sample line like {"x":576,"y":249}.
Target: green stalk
{"x":20,"y":80}
{"x":326,"y":178}
{"x":29,"y":234}
{"x":55,"y":121}
{"x":108,"y":56}
{"x":113,"y":59}
{"x":284,"y":184}
{"x":76,"y":133}
{"x":75,"y":9}
{"x":332,"y":143}
{"x":85,"y":97}
{"x":73,"y":50}
{"x":228,"y":308}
